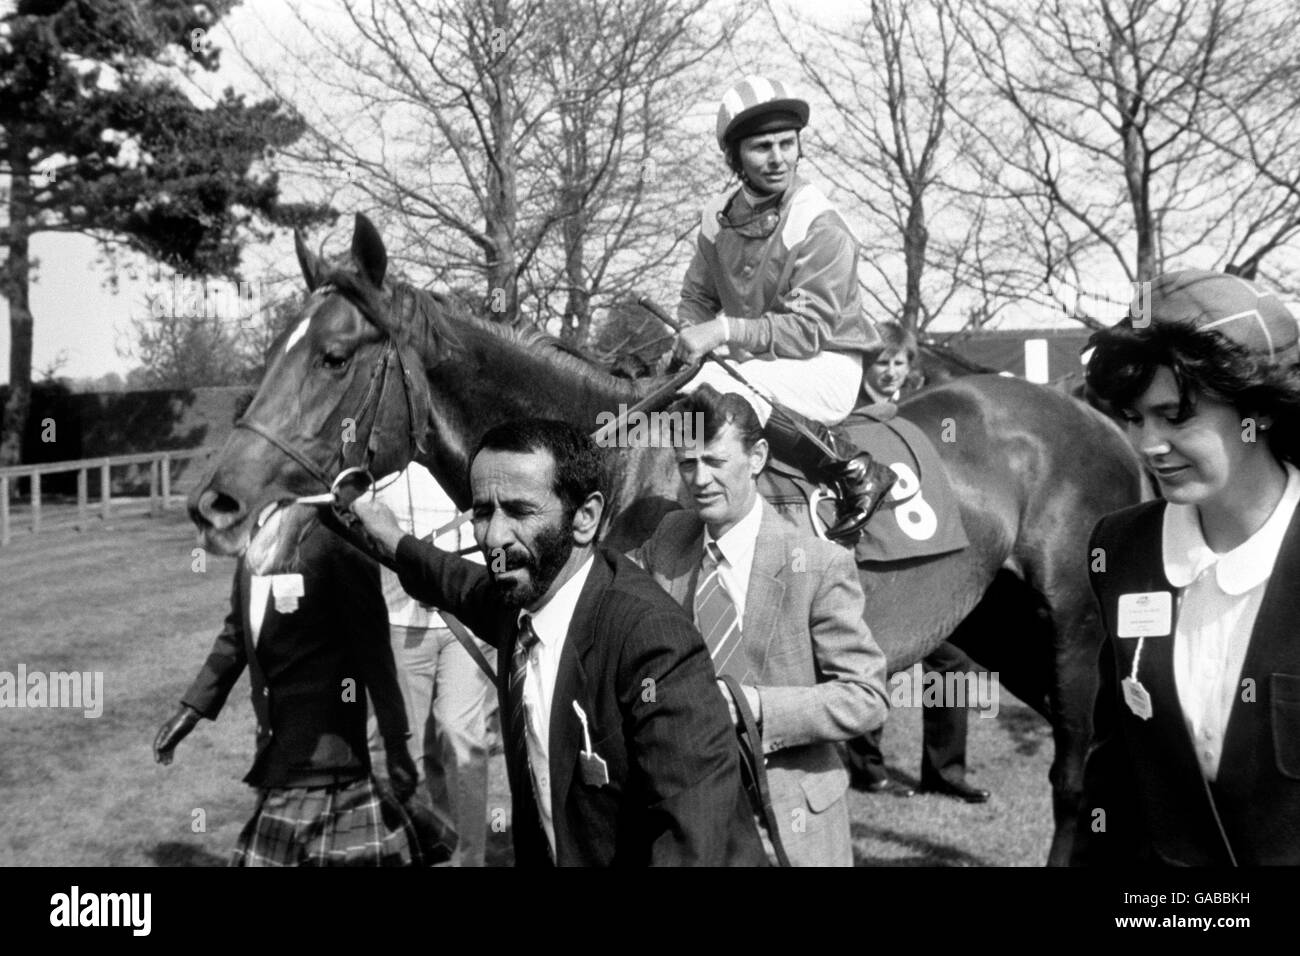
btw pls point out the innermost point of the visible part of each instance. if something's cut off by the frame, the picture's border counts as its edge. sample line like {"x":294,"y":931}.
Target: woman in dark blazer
{"x":1196,"y":752}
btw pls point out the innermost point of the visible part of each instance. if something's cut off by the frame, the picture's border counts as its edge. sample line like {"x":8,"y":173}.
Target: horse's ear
{"x":307,"y":261}
{"x":368,"y":251}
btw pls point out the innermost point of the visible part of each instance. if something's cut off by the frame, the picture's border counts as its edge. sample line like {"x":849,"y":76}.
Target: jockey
{"x":775,"y":276}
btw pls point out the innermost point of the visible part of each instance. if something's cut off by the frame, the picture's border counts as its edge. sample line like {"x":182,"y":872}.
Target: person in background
{"x":449,"y":699}
{"x":315,"y":644}
{"x":1196,"y":752}
{"x":888,"y":370}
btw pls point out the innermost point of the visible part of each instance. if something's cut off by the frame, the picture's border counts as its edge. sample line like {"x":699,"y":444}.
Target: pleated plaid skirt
{"x":355,"y":824}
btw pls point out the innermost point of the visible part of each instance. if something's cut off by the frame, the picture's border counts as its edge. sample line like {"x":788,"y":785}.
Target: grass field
{"x":125,"y":599}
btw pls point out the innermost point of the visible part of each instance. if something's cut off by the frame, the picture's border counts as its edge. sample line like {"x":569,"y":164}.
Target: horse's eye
{"x":334,"y":362}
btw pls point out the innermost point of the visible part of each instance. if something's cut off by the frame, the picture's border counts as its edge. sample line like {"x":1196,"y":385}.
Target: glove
{"x":173,"y":732}
{"x":402,"y":775}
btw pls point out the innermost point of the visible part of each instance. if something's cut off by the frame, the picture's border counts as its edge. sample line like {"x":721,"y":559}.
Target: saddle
{"x":920,"y":518}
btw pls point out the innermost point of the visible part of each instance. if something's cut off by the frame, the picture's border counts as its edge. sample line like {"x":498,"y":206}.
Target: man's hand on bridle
{"x":380,"y":524}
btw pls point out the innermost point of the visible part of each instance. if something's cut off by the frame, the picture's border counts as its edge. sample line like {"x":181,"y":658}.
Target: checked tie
{"x":715,"y":612}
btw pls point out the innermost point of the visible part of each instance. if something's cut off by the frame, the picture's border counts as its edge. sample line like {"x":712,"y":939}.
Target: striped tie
{"x":515,"y":691}
{"x":715,"y":612}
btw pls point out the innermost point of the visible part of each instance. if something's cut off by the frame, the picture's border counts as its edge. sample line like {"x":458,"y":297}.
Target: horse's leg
{"x":1009,"y":634}
{"x":1073,"y":693}
{"x":1045,"y":653}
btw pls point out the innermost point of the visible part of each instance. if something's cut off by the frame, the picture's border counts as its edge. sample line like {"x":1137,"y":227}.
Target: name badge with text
{"x":286,"y":589}
{"x":1146,"y":614}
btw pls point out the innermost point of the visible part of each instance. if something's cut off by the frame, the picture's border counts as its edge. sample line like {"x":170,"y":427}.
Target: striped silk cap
{"x":746,"y":104}
{"x":1251,"y":317}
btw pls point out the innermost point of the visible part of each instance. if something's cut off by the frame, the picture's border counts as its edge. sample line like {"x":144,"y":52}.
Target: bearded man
{"x":619,"y":749}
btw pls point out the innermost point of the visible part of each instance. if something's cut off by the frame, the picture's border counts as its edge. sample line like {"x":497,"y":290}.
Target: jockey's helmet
{"x":759,"y":105}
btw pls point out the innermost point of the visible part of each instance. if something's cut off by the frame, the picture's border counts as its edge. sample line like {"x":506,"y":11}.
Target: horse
{"x":375,"y":373}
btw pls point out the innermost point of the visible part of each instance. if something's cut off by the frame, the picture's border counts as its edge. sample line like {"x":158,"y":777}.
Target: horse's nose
{"x":217,"y":510}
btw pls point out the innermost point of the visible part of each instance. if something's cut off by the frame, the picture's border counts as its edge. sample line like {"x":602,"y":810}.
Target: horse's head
{"x":342,"y":390}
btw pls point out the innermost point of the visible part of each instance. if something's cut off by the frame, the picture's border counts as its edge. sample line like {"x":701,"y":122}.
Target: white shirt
{"x":737,"y":545}
{"x":261,"y":588}
{"x":1216,"y":615}
{"x":420,"y":505}
{"x":259,"y":592}
{"x":551,"y":622}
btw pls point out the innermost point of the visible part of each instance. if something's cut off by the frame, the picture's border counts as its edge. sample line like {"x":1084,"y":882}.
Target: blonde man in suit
{"x":781,"y":611}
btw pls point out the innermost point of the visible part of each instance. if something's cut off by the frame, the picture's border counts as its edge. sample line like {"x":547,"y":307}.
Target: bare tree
{"x":623,"y":74}
{"x":888,"y":74}
{"x":529,"y":148}
{"x":191,"y":333}
{"x":1127,"y":136}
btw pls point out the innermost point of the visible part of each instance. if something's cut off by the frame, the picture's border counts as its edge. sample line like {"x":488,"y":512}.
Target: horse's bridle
{"x":375,"y":391}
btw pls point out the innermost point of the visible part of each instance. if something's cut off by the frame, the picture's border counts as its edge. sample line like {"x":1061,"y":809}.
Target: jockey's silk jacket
{"x":792,"y":294}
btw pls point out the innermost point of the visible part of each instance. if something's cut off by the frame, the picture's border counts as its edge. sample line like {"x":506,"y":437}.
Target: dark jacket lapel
{"x":255,"y":673}
{"x":1273,"y":648}
{"x":571,"y":685}
{"x":1156,"y":669}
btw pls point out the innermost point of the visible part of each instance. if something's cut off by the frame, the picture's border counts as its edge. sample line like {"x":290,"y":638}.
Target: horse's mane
{"x":433,"y":323}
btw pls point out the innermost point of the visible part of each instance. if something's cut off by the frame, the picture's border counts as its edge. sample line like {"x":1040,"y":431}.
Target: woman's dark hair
{"x":719,"y":409}
{"x":580,"y":464}
{"x":1203,"y":362}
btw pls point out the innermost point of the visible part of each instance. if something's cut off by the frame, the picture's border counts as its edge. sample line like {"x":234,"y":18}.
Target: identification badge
{"x":1137,"y":698}
{"x":1147,"y":614}
{"x":286,"y":589}
{"x":595,"y":772}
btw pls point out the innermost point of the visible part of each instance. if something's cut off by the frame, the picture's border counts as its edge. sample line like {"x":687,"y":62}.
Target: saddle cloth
{"x":919,"y":518}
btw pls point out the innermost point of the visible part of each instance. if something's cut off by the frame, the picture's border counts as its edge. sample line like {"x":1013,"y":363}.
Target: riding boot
{"x":861,"y":481}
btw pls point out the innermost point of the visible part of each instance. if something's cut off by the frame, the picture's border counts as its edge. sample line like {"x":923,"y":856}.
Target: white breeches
{"x":824,"y":388}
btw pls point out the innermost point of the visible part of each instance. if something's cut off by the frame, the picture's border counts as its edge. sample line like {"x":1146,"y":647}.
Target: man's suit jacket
{"x":311,"y":731}
{"x":820,"y":675}
{"x":1158,"y":806}
{"x":639,"y":669}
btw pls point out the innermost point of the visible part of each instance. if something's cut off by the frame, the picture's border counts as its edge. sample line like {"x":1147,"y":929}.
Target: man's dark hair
{"x":1203,"y":362}
{"x":720,"y":409}
{"x":580,"y":465}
